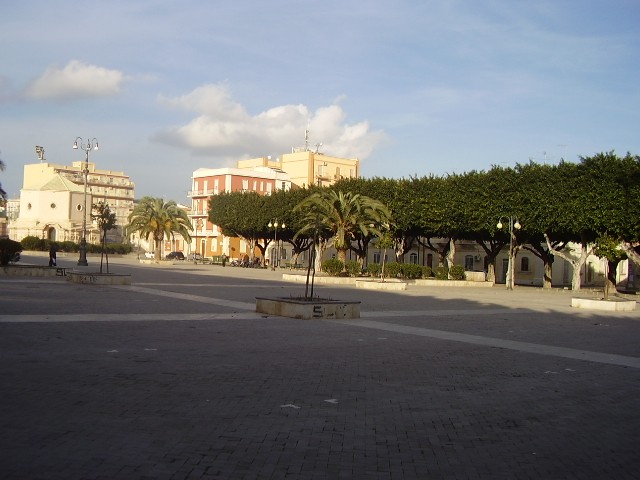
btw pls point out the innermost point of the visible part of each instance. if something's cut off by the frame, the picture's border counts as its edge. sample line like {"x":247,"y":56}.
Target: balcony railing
{"x":200,"y":193}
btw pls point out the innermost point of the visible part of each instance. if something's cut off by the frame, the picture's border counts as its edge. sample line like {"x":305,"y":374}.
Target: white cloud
{"x":223,"y":127}
{"x":75,"y":80}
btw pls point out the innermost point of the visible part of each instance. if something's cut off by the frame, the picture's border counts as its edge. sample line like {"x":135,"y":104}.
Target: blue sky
{"x":410,"y":87}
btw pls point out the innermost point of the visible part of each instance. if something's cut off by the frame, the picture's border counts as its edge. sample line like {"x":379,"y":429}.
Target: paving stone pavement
{"x":176,"y":377}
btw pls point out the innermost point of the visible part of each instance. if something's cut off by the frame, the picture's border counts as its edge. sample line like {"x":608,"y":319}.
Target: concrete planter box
{"x":388,"y":285}
{"x":475,"y":276}
{"x":307,"y":310}
{"x":31,"y":271}
{"x":612,"y":305}
{"x":451,"y":283}
{"x":89,"y":278}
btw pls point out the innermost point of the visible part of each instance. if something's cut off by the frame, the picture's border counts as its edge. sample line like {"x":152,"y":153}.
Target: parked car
{"x":149,"y":255}
{"x":195,"y":257}
{"x":175,"y":256}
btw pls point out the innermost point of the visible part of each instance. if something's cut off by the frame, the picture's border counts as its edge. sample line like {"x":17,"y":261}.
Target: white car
{"x":149,"y":255}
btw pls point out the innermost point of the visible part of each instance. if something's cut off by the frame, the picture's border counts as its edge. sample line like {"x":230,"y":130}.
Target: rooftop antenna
{"x":40,"y":153}
{"x":306,"y":138}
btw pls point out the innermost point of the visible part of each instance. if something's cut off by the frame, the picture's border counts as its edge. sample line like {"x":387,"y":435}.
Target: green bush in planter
{"x":427,"y":272}
{"x":442,"y":273}
{"x":374,"y":269}
{"x":332,"y":266}
{"x":33,"y":243}
{"x":392,"y":269}
{"x":353,"y":268}
{"x":410,"y":270}
{"x":456,"y":272}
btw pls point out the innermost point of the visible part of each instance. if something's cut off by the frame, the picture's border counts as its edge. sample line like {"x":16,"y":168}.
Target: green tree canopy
{"x":344,"y":214}
{"x":155,"y":218}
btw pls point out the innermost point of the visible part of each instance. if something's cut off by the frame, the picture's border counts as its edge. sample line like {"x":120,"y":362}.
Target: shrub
{"x":8,"y":248}
{"x":427,"y":272}
{"x":353,"y":268}
{"x":442,"y":273}
{"x":392,"y":269}
{"x":332,"y":266}
{"x":457,"y":272}
{"x":374,"y":269}
{"x":410,"y":270}
{"x":33,"y":243}
{"x":68,"y":246}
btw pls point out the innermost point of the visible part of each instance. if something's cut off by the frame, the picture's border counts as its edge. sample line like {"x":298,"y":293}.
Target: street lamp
{"x":87,"y":147}
{"x":510,"y":280}
{"x":275,"y":226}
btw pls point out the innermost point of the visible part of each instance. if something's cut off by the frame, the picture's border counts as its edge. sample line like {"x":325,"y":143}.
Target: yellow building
{"x":306,"y":167}
{"x":52,"y":201}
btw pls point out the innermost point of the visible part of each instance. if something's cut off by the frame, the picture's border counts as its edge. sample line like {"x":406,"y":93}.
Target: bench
{"x":294,"y":266}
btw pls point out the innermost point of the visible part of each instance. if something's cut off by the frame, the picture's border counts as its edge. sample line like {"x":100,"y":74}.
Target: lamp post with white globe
{"x":513,"y":225}
{"x":275,"y":225}
{"x":86,"y":147}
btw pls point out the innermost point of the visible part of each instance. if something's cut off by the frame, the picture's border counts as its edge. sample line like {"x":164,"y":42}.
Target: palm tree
{"x":344,"y":214}
{"x":3,"y":194}
{"x":159,"y":219}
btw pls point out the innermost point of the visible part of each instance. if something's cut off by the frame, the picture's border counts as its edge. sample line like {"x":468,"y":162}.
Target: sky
{"x":410,"y":87}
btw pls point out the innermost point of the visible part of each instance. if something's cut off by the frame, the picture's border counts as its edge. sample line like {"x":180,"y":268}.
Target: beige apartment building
{"x":306,"y":167}
{"x":52,"y":201}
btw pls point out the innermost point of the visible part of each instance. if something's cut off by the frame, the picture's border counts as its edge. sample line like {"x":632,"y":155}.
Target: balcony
{"x":200,"y":193}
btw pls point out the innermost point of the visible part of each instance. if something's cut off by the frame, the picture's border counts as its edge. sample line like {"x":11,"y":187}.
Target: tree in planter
{"x":244,"y":215}
{"x":607,"y":247}
{"x":106,"y":221}
{"x":344,"y":214}
{"x":156,"y":218}
{"x":384,"y":241}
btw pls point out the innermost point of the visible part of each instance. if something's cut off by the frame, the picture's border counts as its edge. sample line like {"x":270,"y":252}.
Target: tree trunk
{"x":610,"y":277}
{"x":491,"y":271}
{"x":547,"y":274}
{"x":451,"y":254}
{"x":342,"y":256}
{"x":320,"y":249}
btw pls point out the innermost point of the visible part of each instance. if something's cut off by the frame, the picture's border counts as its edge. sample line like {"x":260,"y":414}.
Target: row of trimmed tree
{"x":592,"y":204}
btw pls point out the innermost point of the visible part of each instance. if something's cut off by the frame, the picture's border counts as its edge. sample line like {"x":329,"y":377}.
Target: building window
{"x":245,"y":185}
{"x":413,"y":258}
{"x":79,"y":207}
{"x":376,"y":257}
{"x":524,"y":264}
{"x":255,"y":185}
{"x":468,"y":263}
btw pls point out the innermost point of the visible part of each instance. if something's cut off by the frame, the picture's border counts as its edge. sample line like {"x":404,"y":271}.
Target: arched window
{"x":524,"y":264}
{"x":413,"y":258}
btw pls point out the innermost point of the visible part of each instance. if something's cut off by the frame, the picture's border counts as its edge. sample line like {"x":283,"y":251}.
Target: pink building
{"x":208,"y":241}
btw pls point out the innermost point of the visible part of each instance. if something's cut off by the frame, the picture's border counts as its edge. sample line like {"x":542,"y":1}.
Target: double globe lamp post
{"x":79,"y":144}
{"x":275,"y":226}
{"x":510,"y":277}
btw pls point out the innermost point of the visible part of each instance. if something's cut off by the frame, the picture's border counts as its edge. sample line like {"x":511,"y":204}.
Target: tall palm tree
{"x":159,"y":219}
{"x":344,"y":214}
{"x":3,"y":194}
